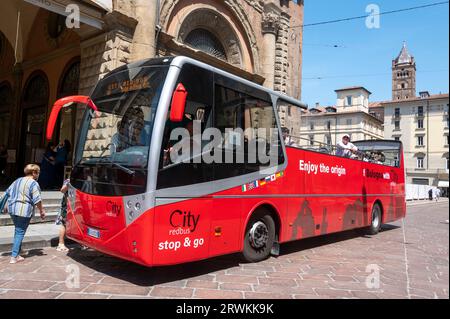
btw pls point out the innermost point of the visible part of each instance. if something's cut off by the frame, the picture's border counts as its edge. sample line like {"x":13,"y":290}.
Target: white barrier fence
{"x":415,"y":192}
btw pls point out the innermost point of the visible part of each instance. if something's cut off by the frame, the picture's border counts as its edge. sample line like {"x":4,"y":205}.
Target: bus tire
{"x":259,"y":237}
{"x":376,"y":222}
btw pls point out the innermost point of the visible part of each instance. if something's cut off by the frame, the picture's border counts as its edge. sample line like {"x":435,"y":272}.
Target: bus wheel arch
{"x":261,"y":233}
{"x":376,"y":218}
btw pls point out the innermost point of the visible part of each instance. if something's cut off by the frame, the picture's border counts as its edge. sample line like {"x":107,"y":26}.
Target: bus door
{"x":183,"y":194}
{"x":247,"y":122}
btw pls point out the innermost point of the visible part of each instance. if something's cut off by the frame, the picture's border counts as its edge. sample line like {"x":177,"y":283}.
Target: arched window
{"x":36,"y":91}
{"x":70,"y":81}
{"x":34,"y":112}
{"x":68,"y":85}
{"x":207,"y":42}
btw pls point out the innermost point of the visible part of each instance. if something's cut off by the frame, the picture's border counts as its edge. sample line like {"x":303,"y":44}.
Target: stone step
{"x":38,"y":236}
{"x":5,"y":219}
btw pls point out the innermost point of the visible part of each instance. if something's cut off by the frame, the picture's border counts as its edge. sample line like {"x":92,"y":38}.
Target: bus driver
{"x":346,"y":148}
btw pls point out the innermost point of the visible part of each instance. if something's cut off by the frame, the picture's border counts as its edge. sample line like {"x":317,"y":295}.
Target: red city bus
{"x":128,"y":200}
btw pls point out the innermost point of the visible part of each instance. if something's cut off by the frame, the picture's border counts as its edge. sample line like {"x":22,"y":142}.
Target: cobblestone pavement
{"x":412,"y":256}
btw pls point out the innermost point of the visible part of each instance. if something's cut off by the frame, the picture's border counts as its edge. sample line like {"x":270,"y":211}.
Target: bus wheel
{"x":375,"y":225}
{"x":259,"y":237}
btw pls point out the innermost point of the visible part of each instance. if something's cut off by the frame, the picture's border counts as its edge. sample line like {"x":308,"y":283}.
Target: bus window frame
{"x":161,"y":118}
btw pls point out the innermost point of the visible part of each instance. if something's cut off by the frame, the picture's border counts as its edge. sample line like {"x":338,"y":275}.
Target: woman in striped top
{"x":24,"y":195}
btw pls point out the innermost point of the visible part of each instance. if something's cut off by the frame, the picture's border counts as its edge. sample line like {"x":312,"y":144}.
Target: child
{"x":61,"y":219}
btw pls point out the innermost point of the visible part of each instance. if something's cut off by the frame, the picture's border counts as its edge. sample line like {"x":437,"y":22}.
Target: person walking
{"x":24,"y":195}
{"x":61,"y":219}
{"x":438,"y":194}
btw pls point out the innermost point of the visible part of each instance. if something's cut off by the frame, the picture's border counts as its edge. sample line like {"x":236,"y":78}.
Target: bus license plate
{"x":93,"y":233}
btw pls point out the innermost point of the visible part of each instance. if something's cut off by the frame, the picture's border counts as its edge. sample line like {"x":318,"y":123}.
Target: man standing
{"x":346,"y":148}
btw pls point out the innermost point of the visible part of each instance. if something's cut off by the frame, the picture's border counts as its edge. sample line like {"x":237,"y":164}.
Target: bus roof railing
{"x":330,"y":149}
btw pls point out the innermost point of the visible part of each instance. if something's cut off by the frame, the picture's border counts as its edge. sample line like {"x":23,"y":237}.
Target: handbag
{"x":3,"y":202}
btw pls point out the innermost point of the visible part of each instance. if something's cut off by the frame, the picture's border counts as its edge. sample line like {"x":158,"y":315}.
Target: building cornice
{"x":408,"y":101}
{"x":344,"y":114}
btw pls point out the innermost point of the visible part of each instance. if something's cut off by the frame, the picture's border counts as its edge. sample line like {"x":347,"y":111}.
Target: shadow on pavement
{"x":314,"y":242}
{"x":35,"y":253}
{"x":143,"y":276}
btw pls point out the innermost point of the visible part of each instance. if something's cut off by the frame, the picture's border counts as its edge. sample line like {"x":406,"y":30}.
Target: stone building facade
{"x":41,"y":59}
{"x":324,"y":127}
{"x":420,"y":122}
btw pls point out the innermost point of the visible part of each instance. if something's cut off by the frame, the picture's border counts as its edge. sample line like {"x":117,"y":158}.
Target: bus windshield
{"x":114,"y":141}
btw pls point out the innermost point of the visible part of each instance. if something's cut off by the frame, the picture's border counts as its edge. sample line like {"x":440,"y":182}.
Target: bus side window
{"x":199,"y":85}
{"x":249,"y":114}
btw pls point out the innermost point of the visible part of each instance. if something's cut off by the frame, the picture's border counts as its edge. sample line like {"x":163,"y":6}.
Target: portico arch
{"x":227,"y":21}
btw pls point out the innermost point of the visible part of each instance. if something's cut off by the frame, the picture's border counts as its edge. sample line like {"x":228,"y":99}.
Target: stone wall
{"x":100,"y":55}
{"x":263,"y":28}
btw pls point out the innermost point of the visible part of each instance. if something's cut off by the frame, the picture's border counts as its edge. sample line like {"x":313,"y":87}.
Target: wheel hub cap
{"x":376,"y":219}
{"x":259,"y":235}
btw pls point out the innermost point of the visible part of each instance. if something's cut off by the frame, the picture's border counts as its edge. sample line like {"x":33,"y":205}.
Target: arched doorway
{"x":34,"y":106}
{"x":68,"y":85}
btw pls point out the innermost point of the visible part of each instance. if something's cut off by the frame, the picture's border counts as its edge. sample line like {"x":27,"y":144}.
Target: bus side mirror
{"x":63,"y":103}
{"x":178,"y":103}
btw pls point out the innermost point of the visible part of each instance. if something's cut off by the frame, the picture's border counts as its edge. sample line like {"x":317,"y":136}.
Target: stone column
{"x":107,"y":51}
{"x":15,"y":114}
{"x":144,"y":45}
{"x":282,"y":55}
{"x":270,"y":27}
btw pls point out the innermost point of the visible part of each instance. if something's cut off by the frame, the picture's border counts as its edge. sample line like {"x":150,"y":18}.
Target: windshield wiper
{"x":121,"y":167}
{"x":107,"y":160}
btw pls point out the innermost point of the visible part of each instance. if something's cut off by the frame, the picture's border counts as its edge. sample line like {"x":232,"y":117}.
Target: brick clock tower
{"x":403,"y":76}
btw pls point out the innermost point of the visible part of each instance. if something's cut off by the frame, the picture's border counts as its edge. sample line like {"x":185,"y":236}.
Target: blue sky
{"x":365,"y":55}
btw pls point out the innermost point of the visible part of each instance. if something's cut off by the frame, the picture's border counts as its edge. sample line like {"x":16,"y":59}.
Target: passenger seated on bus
{"x":132,"y":125}
{"x":287,"y":139}
{"x":117,"y":140}
{"x":346,"y":148}
{"x":379,"y":158}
